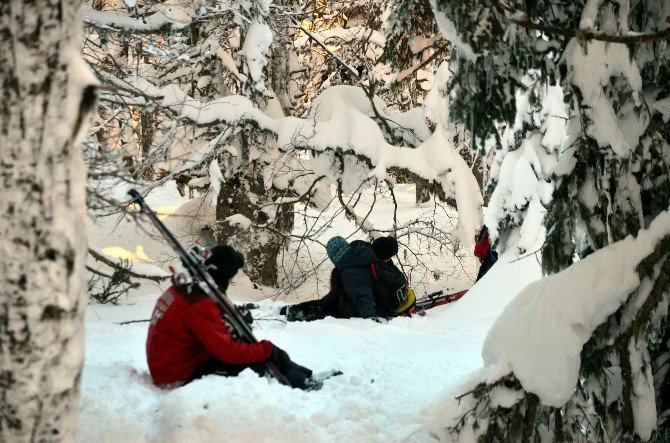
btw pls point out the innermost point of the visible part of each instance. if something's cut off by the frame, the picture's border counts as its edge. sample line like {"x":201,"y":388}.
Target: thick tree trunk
{"x":42,"y":246}
{"x":261,"y":247}
{"x":245,"y":193}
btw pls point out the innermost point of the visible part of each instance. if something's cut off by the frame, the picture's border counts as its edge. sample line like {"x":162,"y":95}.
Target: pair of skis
{"x":429,"y":301}
{"x":437,"y":299}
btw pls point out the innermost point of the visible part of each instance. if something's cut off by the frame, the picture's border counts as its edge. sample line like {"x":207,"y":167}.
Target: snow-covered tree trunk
{"x":45,"y":100}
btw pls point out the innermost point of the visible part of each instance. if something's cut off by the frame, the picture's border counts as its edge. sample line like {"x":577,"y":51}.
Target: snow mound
{"x":570,"y":304}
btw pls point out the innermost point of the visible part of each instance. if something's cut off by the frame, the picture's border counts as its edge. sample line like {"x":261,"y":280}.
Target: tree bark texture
{"x":245,"y":193}
{"x":45,"y":95}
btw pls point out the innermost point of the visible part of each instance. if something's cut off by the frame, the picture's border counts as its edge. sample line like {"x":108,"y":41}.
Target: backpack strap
{"x":374,"y":272}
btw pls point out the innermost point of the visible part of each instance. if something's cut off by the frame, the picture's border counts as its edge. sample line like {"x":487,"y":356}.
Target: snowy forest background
{"x":275,"y":123}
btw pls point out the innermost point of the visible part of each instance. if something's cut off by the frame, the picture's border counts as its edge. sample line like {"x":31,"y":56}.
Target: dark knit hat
{"x":223,"y":264}
{"x":385,"y":247}
{"x":337,"y":248}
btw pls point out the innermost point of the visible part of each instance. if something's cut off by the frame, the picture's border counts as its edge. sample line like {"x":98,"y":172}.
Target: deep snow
{"x":398,"y":384}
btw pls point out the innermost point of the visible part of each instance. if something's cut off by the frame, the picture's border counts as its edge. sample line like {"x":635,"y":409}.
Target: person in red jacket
{"x":189,"y":338}
{"x":483,"y":251}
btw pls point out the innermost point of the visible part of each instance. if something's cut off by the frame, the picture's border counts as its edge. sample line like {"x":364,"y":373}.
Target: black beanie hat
{"x":223,"y":264}
{"x":385,"y":247}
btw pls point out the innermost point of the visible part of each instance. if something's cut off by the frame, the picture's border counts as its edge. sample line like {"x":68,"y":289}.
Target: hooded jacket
{"x":353,"y":282}
{"x":186,"y":330}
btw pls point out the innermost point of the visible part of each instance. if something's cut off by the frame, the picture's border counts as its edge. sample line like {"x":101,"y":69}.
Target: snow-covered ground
{"x":399,"y":378}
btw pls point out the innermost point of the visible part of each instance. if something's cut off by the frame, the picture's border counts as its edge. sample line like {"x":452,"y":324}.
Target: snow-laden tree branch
{"x":121,"y":22}
{"x":342,"y":125}
{"x":586,"y":34}
{"x":545,"y":373}
{"x":116,"y":265}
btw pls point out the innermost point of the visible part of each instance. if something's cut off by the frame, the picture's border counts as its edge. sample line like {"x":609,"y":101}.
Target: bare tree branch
{"x":101,"y":258}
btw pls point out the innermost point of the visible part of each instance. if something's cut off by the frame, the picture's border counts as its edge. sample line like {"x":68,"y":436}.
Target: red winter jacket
{"x":187,"y":329}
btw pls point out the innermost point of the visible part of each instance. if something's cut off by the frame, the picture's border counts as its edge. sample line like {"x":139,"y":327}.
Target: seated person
{"x":351,"y":282}
{"x":189,"y":336}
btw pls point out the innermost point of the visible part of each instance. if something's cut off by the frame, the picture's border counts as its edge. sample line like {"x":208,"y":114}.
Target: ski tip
{"x":134,"y":194}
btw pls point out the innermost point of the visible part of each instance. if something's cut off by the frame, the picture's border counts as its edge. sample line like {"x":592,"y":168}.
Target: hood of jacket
{"x":360,"y":256}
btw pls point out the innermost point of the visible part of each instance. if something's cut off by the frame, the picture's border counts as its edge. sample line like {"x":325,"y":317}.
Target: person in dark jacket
{"x":351,"y":283}
{"x":188,"y":335}
{"x":351,"y":280}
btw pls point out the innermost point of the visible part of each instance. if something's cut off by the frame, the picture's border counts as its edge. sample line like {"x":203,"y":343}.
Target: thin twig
{"x":127,"y":322}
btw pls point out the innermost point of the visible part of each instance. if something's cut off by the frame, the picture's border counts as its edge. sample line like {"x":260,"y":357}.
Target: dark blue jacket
{"x":352,"y":280}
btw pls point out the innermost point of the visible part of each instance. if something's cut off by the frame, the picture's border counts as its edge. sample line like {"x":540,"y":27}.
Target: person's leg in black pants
{"x":214,"y":366}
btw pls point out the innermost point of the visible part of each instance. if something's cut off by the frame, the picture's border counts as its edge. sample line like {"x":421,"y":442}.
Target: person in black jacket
{"x":351,"y":286}
{"x":351,"y":280}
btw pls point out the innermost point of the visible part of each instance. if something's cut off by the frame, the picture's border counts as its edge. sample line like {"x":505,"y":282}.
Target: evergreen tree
{"x":610,"y":60}
{"x":522,"y":176}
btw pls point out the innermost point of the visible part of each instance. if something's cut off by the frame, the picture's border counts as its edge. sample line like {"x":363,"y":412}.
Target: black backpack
{"x":390,"y":288}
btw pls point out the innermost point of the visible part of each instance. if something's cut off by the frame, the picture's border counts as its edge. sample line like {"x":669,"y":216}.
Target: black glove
{"x":245,"y":313}
{"x":295,"y":374}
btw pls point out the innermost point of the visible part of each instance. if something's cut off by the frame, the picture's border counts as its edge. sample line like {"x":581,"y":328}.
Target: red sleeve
{"x":205,"y":321}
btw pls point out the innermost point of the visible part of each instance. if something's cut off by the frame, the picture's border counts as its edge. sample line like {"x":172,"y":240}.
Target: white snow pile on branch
{"x":257,"y":42}
{"x":570,"y":305}
{"x":592,"y":68}
{"x":343,"y":122}
{"x":120,"y":21}
{"x":239,"y":220}
{"x":450,"y":33}
{"x":342,"y":126}
{"x":524,"y":170}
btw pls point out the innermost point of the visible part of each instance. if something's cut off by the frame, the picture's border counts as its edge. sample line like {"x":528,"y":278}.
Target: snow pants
{"x":486,"y":264}
{"x":315,"y":309}
{"x":214,"y":366}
